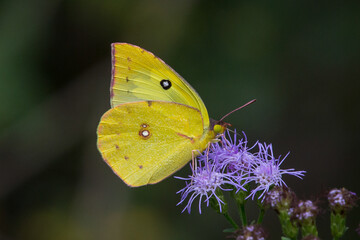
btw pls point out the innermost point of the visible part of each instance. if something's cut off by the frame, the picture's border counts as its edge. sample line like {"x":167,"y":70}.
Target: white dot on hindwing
{"x":144,"y":134}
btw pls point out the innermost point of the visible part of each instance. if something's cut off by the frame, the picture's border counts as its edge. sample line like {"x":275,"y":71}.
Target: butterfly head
{"x":219,"y":127}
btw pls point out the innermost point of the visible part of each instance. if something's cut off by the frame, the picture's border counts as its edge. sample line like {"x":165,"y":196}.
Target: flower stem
{"x":230,"y":220}
{"x":337,"y":225}
{"x":240,"y":198}
{"x":243,"y":214}
{"x":289,"y":228}
{"x":262,"y":210}
{"x":261,"y":215}
{"x":309,"y":228}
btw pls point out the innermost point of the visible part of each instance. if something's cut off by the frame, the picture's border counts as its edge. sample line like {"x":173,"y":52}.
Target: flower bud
{"x":341,"y":200}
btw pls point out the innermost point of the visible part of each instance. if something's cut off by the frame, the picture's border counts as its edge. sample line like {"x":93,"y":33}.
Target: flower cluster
{"x":280,"y":198}
{"x":305,"y":211}
{"x":231,"y":165}
{"x":341,"y":200}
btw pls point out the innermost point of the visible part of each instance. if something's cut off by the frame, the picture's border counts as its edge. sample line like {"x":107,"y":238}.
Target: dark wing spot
{"x":129,"y":59}
{"x":165,"y":84}
{"x":140,"y":166}
{"x":126,"y":157}
{"x":142,"y":51}
{"x":116,"y":146}
{"x":127,"y":79}
{"x":149,"y":103}
{"x":129,"y":68}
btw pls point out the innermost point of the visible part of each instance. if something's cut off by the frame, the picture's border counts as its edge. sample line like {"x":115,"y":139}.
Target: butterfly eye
{"x":165,"y":84}
{"x":218,"y":128}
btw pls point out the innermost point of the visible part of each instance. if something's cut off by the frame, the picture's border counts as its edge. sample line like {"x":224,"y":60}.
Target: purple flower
{"x":231,"y":154}
{"x":205,"y":182}
{"x":266,"y":171}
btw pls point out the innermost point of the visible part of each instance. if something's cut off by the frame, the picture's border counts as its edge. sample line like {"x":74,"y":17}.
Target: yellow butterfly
{"x":157,"y":122}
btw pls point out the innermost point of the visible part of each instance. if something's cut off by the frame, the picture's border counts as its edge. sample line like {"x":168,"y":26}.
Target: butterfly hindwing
{"x":144,"y":142}
{"x":138,"y":75}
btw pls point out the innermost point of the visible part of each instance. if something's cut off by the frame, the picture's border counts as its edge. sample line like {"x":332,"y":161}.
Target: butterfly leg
{"x":193,"y":161}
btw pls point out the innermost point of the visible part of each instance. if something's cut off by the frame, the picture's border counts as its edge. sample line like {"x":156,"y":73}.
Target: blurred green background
{"x":299,"y":59}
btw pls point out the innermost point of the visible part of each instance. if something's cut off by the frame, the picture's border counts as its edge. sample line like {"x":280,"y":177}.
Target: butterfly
{"x":157,"y":121}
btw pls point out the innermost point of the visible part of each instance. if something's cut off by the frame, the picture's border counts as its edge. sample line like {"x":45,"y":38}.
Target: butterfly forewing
{"x":139,"y":75}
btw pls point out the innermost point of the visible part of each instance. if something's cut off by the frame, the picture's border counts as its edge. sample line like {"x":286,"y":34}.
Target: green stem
{"x":240,"y":198}
{"x":243,"y":214}
{"x":337,"y":225}
{"x":289,"y":229}
{"x":261,"y":215}
{"x":309,"y":228}
{"x":230,"y":220}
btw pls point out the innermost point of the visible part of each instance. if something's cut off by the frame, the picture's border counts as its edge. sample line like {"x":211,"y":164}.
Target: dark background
{"x":299,"y":59}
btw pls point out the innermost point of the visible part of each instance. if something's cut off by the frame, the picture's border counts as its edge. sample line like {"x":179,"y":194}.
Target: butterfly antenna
{"x":230,"y":130}
{"x":252,"y":101}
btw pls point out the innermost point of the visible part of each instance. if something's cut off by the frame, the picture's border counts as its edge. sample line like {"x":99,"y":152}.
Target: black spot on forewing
{"x":165,"y":84}
{"x":149,"y":103}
